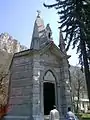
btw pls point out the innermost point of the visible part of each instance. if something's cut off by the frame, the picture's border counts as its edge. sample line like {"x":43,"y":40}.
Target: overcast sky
{"x":17,"y":17}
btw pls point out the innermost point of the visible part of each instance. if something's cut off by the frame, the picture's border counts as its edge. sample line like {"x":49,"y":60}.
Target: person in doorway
{"x":54,"y":114}
{"x":70,"y":115}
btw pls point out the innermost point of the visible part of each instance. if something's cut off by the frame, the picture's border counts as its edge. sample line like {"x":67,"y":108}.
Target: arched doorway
{"x":49,"y":97}
{"x":48,"y":92}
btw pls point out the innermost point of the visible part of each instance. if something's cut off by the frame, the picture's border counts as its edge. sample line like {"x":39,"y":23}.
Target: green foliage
{"x":74,"y":19}
{"x":78,"y":86}
{"x":75,"y":22}
{"x":5,"y":61}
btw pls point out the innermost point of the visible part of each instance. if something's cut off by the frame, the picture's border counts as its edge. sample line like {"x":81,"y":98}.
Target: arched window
{"x":49,"y":76}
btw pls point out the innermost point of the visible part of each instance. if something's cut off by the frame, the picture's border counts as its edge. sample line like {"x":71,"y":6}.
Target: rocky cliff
{"x":8,"y":46}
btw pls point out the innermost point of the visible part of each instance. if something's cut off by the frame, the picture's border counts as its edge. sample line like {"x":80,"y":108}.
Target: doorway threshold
{"x":46,"y":117}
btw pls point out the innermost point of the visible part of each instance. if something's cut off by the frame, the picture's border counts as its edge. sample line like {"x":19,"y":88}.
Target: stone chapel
{"x":39,"y":77}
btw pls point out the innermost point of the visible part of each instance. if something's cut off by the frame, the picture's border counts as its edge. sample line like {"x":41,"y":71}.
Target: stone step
{"x":46,"y":117}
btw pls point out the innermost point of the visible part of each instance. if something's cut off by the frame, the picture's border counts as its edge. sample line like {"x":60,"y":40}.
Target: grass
{"x":84,"y":116}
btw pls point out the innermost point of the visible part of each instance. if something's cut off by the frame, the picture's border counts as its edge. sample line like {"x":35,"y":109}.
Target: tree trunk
{"x":86,"y":65}
{"x":78,"y":104}
{"x":78,"y":96}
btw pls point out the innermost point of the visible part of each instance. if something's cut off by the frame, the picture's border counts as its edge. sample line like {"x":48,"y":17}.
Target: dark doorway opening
{"x":49,"y":97}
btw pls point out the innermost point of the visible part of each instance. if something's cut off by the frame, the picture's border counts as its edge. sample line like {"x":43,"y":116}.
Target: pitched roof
{"x":50,"y":45}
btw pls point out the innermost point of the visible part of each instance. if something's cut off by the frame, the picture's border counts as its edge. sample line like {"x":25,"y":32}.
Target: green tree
{"x":75,"y":22}
{"x":5,"y":61}
{"x":78,"y":86}
{"x":4,"y":81}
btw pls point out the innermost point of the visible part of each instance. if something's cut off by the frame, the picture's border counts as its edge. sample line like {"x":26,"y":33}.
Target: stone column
{"x":66,"y":94}
{"x":41,"y":92}
{"x":36,"y":89}
{"x":59,"y":102}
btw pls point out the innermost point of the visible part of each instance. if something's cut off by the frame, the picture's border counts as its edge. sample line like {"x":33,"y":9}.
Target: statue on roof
{"x":49,"y":31}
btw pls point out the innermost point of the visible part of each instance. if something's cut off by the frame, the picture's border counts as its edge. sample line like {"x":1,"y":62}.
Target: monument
{"x":39,"y":77}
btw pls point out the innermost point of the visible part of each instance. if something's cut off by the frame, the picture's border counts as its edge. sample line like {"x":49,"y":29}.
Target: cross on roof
{"x":38,"y":11}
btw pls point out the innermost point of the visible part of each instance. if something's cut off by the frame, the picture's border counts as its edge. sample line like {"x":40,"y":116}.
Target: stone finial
{"x":39,"y":12}
{"x":61,"y":41}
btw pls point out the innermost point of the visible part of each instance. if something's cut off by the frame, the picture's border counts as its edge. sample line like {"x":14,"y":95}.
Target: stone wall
{"x":26,"y":86}
{"x":59,"y":68}
{"x":20,"y":102}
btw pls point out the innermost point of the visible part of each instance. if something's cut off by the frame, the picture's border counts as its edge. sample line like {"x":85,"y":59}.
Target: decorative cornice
{"x":53,"y":48}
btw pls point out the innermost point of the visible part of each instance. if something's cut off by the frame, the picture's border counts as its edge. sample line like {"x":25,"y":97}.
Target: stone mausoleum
{"x":39,"y":77}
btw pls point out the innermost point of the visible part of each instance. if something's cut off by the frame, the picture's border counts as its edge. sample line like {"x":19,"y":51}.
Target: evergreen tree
{"x":75,"y":22}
